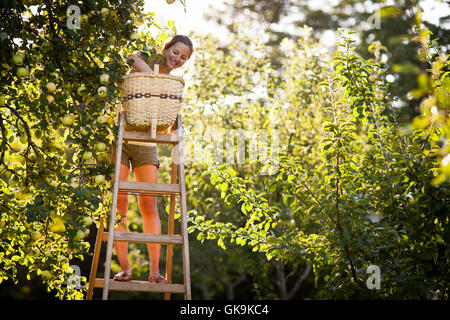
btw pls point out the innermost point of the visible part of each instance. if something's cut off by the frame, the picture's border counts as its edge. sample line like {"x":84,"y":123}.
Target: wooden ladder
{"x":173,"y":189}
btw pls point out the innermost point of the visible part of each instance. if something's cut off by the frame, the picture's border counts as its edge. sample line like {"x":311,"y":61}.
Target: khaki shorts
{"x":136,"y":155}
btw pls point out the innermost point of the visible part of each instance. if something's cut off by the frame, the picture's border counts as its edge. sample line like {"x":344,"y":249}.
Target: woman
{"x":145,"y":165}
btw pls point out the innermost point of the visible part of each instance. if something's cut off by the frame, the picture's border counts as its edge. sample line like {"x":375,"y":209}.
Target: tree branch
{"x":299,"y":281}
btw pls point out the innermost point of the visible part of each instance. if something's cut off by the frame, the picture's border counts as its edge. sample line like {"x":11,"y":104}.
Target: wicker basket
{"x":151,"y":101}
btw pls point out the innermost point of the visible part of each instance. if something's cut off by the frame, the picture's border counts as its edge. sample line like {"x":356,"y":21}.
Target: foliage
{"x":349,"y":187}
{"x":48,"y":161}
{"x":434,"y":88}
{"x":350,"y":190}
{"x":391,"y":23}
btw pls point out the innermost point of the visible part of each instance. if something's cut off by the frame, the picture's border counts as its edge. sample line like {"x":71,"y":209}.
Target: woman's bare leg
{"x":122,"y":208}
{"x":149,"y":211}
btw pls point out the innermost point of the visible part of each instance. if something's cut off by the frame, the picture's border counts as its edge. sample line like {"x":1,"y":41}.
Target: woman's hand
{"x":170,"y":129}
{"x":138,"y":64}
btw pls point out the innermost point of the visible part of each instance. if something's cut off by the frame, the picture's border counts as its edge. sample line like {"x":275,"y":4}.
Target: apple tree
{"x":352,"y":191}
{"x":60,"y":65}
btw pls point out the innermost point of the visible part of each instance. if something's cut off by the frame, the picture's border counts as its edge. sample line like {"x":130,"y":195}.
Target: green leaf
{"x":221,"y":244}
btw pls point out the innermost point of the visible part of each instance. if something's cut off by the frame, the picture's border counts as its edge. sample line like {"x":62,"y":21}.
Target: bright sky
{"x":193,"y":19}
{"x":186,"y":22}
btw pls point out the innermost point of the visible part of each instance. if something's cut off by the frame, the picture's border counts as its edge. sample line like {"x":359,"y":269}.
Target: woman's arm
{"x":138,"y":64}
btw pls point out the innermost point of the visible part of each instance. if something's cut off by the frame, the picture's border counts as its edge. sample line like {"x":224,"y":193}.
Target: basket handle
{"x":154,"y":121}
{"x":153,"y":128}
{"x":156,"y":68}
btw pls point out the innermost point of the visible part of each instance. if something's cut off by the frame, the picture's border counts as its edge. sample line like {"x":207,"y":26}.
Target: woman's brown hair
{"x":180,"y":38}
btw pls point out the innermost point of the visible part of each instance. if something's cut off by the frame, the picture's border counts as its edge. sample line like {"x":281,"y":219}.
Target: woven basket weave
{"x":151,"y":101}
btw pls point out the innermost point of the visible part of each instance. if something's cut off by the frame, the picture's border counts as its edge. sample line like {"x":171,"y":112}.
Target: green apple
{"x":17,"y":59}
{"x":100,"y":146}
{"x":67,"y":120}
{"x":99,"y":179}
{"x":84,"y":19}
{"x":104,"y":78}
{"x":51,"y":87}
{"x":46,"y":275}
{"x":170,"y":1}
{"x":74,"y":184}
{"x":134,"y":36}
{"x":112,"y":40}
{"x":104,"y":11}
{"x":79,"y":236}
{"x":87,"y":155}
{"x":22,"y":72}
{"x":2,"y":101}
{"x":102,"y":92}
{"x":138,"y":22}
{"x":50,"y":99}
{"x":102,"y":119}
{"x":87,"y":221}
{"x":82,"y":90}
{"x":58,"y":225}
{"x":84,"y":132}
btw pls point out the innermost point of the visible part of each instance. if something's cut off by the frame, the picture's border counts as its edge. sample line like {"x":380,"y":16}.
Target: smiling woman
{"x":176,"y":52}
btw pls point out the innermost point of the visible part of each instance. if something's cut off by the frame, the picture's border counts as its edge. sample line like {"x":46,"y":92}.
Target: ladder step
{"x":143,"y":286}
{"x":144,"y":136}
{"x":136,"y":237}
{"x":146,"y":187}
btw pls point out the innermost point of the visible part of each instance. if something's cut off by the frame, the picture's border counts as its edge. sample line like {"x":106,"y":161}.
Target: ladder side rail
{"x":169,"y":250}
{"x":109,"y":247}
{"x":95,"y":258}
{"x":184,"y":234}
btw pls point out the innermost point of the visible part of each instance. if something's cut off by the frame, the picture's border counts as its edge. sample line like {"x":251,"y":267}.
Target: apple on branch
{"x":102,"y":119}
{"x":67,"y":120}
{"x":104,"y":12}
{"x":51,"y":87}
{"x":134,"y":36}
{"x":84,"y":19}
{"x":112,"y":40}
{"x":87,"y":221}
{"x":102,"y":92}
{"x":22,"y":72}
{"x":100,"y":146}
{"x":104,"y":78}
{"x":99,"y":179}
{"x":79,"y":236}
{"x":87,"y":155}
{"x":50,"y":99}
{"x":74,"y":184}
{"x":17,"y":59}
{"x":46,"y":275}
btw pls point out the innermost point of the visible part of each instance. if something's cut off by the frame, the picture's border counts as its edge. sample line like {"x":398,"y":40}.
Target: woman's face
{"x":176,"y":55}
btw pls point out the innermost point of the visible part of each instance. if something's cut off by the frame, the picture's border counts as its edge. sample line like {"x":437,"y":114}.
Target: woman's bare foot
{"x":123,"y":276}
{"x":157,"y":278}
